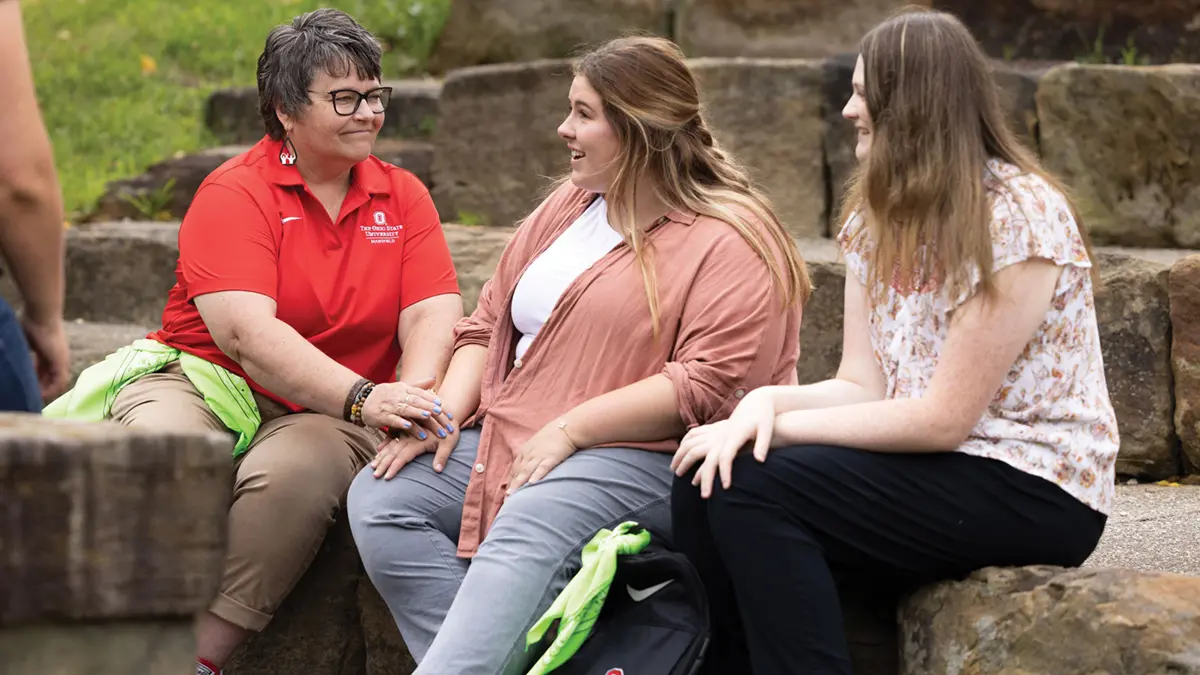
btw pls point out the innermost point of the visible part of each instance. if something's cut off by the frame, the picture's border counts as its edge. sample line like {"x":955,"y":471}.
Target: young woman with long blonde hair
{"x":645,"y":296}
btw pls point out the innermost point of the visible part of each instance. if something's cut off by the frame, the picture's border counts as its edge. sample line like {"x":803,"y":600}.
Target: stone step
{"x":232,"y":115}
{"x":165,"y":190}
{"x":91,"y":342}
{"x":121,"y":272}
{"x":1127,"y":578}
{"x":113,"y":541}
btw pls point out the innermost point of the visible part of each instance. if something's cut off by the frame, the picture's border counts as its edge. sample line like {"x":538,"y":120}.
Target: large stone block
{"x":316,"y":629}
{"x":480,"y":32}
{"x":778,"y":28}
{"x":1135,"y":334}
{"x":164,"y":191}
{"x":91,"y":342}
{"x":821,"y":323}
{"x":1185,"y":354}
{"x":1124,"y":139}
{"x":120,"y":272}
{"x":232,"y":114}
{"x":497,"y":140}
{"x":779,"y":136}
{"x":104,"y":523}
{"x":136,"y":646}
{"x":167,"y":188}
{"x":1154,"y":31}
{"x":476,"y":252}
{"x":1052,"y":620}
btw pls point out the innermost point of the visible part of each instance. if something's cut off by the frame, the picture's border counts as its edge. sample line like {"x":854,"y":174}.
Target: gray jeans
{"x":470,"y":617}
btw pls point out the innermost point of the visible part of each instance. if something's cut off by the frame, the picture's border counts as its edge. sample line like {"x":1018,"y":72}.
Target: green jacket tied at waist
{"x":227,"y":395}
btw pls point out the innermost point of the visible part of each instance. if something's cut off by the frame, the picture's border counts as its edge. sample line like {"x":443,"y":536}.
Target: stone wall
{"x":110,"y":541}
{"x":1141,"y":301}
{"x":1110,"y":31}
{"x":1118,"y":136}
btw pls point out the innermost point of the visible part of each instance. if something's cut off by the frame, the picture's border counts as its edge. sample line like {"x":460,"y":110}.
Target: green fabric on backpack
{"x":226,"y":394}
{"x":579,"y":605}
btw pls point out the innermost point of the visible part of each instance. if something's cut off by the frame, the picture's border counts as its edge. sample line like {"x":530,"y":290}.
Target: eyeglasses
{"x":346,"y":101}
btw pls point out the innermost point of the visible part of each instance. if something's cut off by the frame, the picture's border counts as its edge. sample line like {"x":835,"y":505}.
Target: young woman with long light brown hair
{"x":969,"y":423}
{"x":646,"y":295}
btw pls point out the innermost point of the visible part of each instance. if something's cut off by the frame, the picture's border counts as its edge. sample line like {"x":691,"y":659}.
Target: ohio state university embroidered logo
{"x":380,"y":231}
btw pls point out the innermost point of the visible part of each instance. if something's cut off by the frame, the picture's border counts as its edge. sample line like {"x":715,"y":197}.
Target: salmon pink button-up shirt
{"x":723,"y":332}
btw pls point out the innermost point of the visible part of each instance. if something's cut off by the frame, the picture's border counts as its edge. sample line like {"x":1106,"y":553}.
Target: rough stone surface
{"x":316,"y":629}
{"x":120,"y":272}
{"x":1157,"y":30}
{"x":100,"y":522}
{"x":1184,"y":282}
{"x":166,"y":190}
{"x":232,"y":114}
{"x":840,"y":136}
{"x":91,"y":342}
{"x":1152,"y":528}
{"x":1051,"y":620}
{"x":497,"y":141}
{"x":1135,"y":334}
{"x":1018,"y":94}
{"x":770,"y":28}
{"x":476,"y":252}
{"x":151,"y":647}
{"x":480,"y":32}
{"x":821,"y":325}
{"x":787,"y":96}
{"x":386,"y":652}
{"x":1120,"y":138}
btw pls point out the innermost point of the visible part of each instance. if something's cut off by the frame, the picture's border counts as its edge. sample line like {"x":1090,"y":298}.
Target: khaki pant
{"x":287,"y":487}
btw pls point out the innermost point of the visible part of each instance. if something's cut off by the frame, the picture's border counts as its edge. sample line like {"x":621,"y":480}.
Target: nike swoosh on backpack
{"x":640,"y":595}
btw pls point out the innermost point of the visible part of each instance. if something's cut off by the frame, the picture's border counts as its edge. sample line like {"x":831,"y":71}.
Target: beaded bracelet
{"x":352,"y":397}
{"x":356,"y":409}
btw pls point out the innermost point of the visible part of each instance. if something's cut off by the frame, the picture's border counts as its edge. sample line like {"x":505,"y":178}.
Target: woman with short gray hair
{"x":314,"y":307}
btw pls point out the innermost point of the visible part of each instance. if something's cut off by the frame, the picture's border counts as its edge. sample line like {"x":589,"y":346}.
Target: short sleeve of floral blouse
{"x":852,"y":241}
{"x":1030,"y":219}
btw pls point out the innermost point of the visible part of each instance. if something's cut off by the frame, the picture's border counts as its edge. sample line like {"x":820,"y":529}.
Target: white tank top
{"x":584,"y":242}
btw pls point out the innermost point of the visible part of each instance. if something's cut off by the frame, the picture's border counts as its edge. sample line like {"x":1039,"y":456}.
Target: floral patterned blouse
{"x":1052,"y":416}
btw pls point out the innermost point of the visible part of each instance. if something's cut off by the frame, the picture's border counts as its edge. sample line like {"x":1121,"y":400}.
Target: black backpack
{"x":654,"y":620}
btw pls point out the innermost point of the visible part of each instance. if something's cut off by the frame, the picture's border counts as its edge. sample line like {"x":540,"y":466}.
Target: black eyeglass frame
{"x":362,"y":96}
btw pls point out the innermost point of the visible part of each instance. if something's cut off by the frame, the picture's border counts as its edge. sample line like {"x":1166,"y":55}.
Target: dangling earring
{"x":287,"y":156}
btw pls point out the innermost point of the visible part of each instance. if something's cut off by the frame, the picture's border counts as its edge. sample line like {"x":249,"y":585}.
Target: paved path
{"x":1152,"y":528}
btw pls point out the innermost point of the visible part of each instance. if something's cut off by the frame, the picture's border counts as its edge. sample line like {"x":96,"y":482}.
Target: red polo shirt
{"x":254,"y":226}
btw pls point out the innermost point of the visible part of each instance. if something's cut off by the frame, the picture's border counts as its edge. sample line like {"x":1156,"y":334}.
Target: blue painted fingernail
{"x":437,"y":401}
{"x":450,"y":428}
{"x":437,"y":410}
{"x":449,"y":416}
{"x":425,"y":413}
{"x":441,"y":434}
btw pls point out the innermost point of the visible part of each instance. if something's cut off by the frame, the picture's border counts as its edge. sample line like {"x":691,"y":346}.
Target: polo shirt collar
{"x":366,"y":174}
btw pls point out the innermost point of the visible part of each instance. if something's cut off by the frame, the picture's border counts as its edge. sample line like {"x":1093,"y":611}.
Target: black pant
{"x":766,"y":547}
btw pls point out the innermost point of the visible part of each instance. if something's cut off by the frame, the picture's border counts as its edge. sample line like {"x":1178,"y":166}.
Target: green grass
{"x":122,"y":83}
